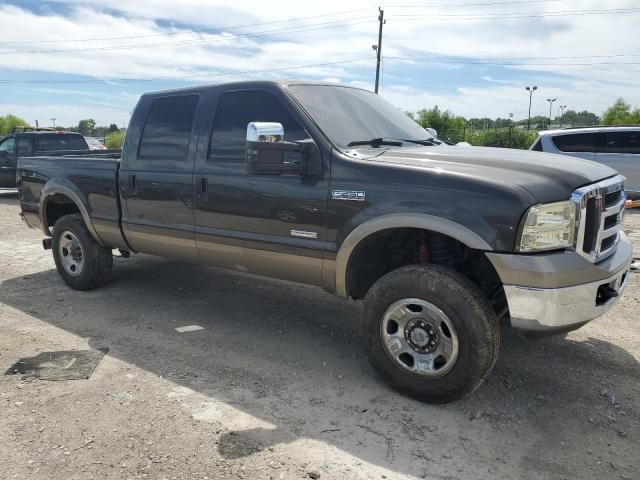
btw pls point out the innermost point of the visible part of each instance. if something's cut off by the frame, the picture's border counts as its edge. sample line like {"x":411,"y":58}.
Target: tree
{"x":509,"y":137}
{"x":113,"y":128}
{"x":618,"y":113}
{"x":86,"y":127}
{"x":9,"y":122}
{"x":449,"y":127}
{"x":115,"y":139}
{"x":580,"y":119}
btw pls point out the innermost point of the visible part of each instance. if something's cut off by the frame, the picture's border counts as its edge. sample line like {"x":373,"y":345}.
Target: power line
{"x":299,"y":67}
{"x":186,"y":77}
{"x":512,"y":15}
{"x":567,"y":57}
{"x":466,"y":62}
{"x":267,"y":33}
{"x":487,"y":4}
{"x":195,"y":31}
{"x":272,"y":22}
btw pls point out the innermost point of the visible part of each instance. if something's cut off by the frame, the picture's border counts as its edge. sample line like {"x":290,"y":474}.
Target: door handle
{"x":202,"y":188}
{"x":131,"y":183}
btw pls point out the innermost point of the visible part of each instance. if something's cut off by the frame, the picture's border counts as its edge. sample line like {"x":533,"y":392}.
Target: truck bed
{"x":90,"y":177}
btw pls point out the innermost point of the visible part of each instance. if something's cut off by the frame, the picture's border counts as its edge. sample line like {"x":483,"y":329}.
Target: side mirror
{"x":267,"y":153}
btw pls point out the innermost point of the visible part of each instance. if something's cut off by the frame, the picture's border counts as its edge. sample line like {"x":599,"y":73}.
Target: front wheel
{"x":431,"y":332}
{"x":82,"y":262}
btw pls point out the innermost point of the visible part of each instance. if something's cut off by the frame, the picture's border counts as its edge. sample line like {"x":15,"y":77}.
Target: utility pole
{"x":530,"y":90}
{"x":378,"y":48}
{"x":550,"y":100}
{"x":53,"y":120}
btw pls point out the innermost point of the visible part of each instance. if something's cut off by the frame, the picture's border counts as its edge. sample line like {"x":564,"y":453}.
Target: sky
{"x":74,"y":59}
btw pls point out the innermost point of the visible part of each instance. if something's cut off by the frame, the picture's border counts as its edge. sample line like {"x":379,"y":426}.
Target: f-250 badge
{"x":354,"y":195}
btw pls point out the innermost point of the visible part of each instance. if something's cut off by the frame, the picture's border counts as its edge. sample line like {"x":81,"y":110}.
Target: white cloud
{"x":197,"y":54}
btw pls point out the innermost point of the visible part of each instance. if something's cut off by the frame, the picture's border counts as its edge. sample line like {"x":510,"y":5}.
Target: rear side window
{"x":56,"y":141}
{"x":622,"y":142}
{"x":537,"y":147}
{"x":575,"y":142}
{"x":237,"y":109}
{"x":167,"y":131}
{"x":25,"y":145}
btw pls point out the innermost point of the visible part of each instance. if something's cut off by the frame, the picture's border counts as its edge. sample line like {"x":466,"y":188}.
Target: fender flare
{"x":401,"y":220}
{"x":54,"y":188}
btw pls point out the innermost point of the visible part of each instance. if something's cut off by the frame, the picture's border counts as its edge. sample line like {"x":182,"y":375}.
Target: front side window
{"x":235,"y":111}
{"x":622,"y":142}
{"x":167,"y":131}
{"x":52,"y":142}
{"x":575,"y":142}
{"x":8,"y":145}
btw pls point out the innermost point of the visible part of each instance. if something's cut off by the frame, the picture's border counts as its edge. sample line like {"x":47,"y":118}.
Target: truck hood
{"x":548,"y":177}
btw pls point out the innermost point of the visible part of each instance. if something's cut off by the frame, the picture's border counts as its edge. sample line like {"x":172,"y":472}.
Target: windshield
{"x":349,"y":115}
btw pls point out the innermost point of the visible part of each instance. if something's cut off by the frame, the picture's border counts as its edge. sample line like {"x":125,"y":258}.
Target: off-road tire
{"x":468,"y":310}
{"x":98,"y":260}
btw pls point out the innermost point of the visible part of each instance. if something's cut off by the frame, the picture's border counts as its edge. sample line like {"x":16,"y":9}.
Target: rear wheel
{"x":431,"y":333}
{"x":81,"y":261}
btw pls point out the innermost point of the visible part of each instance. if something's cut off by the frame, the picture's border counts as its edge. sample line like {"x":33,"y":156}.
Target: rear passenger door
{"x":580,"y":145}
{"x":156,"y":178}
{"x":621,"y":150}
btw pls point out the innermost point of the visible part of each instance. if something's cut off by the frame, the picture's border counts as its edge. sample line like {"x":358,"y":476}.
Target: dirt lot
{"x":274,"y":385}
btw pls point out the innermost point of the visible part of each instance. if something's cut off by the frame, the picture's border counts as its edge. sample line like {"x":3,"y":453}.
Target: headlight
{"x":549,"y":226}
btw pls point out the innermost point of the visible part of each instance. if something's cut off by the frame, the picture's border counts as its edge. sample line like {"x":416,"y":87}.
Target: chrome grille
{"x":600,"y":210}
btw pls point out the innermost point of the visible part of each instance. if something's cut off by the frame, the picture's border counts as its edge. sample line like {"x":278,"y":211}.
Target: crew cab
{"x":332,"y":186}
{"x":33,"y":142}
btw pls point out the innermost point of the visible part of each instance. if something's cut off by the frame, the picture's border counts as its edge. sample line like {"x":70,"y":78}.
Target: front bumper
{"x":560,"y":292}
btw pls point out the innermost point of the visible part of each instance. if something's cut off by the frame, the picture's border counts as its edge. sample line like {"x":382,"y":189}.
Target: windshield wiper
{"x":375,"y":142}
{"x":426,"y":141}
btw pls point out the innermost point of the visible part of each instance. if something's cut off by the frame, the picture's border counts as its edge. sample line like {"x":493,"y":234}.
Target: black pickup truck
{"x":331,"y":186}
{"x":34,"y":142}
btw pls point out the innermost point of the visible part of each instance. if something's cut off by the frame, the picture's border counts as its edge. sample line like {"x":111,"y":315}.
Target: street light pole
{"x":562,"y":108}
{"x":550,"y":100}
{"x":530,"y":90}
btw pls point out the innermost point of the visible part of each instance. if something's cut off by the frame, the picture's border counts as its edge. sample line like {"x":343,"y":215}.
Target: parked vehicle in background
{"x":332,"y":186}
{"x":95,"y":143}
{"x":617,"y":147}
{"x":34,"y":142}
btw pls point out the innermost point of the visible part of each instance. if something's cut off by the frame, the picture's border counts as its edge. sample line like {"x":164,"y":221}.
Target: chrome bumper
{"x":549,"y":309}
{"x":558,"y":292}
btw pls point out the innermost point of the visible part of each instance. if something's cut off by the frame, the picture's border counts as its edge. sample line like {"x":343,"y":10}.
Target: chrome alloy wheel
{"x":71,"y":255}
{"x":419,"y":337}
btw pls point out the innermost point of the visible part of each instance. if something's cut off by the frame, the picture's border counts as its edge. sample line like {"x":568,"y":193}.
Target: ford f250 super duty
{"x":332,"y":186}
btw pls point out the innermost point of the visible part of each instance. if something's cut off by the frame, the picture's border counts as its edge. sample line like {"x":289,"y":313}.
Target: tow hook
{"x":46,"y":244}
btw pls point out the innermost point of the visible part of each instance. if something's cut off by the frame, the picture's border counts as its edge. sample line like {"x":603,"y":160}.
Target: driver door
{"x":271,"y":225}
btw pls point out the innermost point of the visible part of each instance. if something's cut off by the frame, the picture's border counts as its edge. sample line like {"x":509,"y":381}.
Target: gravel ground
{"x":270,"y":382}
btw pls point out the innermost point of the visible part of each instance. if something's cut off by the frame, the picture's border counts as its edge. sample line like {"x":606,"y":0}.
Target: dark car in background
{"x":34,"y":142}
